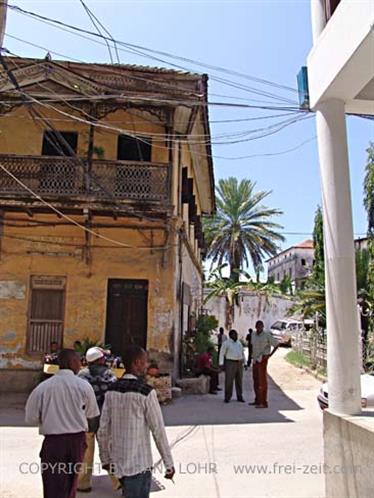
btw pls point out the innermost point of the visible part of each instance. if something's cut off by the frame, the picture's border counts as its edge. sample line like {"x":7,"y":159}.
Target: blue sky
{"x":266,"y":39}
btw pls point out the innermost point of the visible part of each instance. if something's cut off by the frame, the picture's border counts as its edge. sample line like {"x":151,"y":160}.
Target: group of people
{"x":77,"y":406}
{"x":231,"y":359}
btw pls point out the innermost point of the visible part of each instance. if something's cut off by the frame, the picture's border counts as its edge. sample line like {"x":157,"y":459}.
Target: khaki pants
{"x":85,"y":476}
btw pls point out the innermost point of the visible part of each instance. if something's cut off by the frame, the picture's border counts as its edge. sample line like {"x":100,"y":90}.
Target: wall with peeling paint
{"x":60,"y":249}
{"x":252,"y":307}
{"x":86,"y":284}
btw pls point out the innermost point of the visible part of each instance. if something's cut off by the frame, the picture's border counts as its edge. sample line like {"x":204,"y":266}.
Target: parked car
{"x":283,"y":330}
{"x":367,"y":392}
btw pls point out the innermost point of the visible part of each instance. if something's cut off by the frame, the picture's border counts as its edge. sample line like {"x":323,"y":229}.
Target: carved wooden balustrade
{"x":59,"y":177}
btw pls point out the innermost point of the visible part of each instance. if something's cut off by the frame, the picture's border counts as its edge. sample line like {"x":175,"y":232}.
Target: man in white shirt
{"x":131,"y":412}
{"x":62,"y":406}
{"x":232,"y":359}
{"x":262,"y":342}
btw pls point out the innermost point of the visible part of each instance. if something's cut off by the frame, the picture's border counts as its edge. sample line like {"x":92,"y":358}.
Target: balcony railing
{"x":66,"y":177}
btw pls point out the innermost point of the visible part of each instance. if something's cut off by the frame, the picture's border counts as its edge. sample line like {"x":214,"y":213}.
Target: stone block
{"x":162,"y":385}
{"x":176,"y":392}
{"x":195,"y":385}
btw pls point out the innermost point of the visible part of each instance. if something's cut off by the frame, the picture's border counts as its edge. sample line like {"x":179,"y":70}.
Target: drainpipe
{"x":343,"y":358}
{"x":318,"y":16}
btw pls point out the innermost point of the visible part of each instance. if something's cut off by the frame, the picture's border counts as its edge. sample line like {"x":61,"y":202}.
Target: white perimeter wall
{"x":252,"y":307}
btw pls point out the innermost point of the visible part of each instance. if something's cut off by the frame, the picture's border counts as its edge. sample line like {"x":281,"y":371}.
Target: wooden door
{"x":127,"y":310}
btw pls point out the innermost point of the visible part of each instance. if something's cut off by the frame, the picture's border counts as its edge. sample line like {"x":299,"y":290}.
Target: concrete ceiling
{"x":367,"y":93}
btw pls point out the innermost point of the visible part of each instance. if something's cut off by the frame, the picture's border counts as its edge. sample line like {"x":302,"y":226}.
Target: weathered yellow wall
{"x":19,"y":134}
{"x":86,"y":291}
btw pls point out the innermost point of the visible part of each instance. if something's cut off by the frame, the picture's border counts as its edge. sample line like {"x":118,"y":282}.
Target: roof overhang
{"x":341,"y":63}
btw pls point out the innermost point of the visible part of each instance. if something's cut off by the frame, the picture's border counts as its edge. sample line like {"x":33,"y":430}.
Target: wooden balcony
{"x":66,"y":179}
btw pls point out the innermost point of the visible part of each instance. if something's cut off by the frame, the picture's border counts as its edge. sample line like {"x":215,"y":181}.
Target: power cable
{"x":268,"y":154}
{"x":61,"y":140}
{"x":137,"y":49}
{"x":58,"y":212}
{"x":95,"y":20}
{"x":95,"y":24}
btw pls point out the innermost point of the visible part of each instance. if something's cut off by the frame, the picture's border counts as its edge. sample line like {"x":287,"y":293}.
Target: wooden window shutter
{"x":46,"y":313}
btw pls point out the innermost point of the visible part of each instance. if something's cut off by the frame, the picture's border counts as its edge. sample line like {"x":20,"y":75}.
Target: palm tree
{"x":218,"y":286}
{"x":242,"y":230}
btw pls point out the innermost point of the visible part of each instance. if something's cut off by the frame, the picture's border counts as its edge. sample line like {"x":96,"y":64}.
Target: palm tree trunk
{"x":234,"y":267}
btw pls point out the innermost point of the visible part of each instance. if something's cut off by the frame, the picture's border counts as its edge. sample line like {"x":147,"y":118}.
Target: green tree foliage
{"x":286,"y":285}
{"x":362,"y":272}
{"x":204,"y":327}
{"x":242,"y":230}
{"x":368,"y":298}
{"x":318,"y":274}
{"x":369,"y":206}
{"x":369,"y":189}
{"x":219,"y":286}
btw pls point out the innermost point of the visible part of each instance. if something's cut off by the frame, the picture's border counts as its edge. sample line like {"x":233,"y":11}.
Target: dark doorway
{"x":127,"y":310}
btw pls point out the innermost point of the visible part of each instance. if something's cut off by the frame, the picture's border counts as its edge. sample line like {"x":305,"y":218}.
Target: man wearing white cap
{"x":100,"y":377}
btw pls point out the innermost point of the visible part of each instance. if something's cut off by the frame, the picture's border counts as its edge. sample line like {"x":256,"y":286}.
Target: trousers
{"x":260,"y":381}
{"x":137,"y":486}
{"x":61,"y":456}
{"x":85,"y":473}
{"x":233,"y":372}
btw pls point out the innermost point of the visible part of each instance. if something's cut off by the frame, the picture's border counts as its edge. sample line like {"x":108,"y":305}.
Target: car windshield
{"x":279,"y":325}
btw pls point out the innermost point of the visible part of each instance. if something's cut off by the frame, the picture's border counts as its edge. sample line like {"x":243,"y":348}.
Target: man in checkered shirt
{"x":131,"y":412}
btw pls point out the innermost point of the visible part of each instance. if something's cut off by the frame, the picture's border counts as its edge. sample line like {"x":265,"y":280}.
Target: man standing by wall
{"x":221,"y":338}
{"x":232,"y":359}
{"x":62,"y":406}
{"x":262,"y":342}
{"x":130,"y":413}
{"x":100,"y":377}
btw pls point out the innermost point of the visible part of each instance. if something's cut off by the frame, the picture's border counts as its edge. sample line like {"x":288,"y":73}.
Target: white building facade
{"x":341,"y":81}
{"x":295,"y":262}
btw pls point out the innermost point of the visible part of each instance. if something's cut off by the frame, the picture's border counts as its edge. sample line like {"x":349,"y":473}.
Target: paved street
{"x":220,"y":450}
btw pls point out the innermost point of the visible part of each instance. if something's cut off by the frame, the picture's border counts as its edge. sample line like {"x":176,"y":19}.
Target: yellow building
{"x":105,"y":173}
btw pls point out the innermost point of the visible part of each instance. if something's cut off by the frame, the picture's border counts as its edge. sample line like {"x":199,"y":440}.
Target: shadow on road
{"x":211,"y":410}
{"x":189,"y":410}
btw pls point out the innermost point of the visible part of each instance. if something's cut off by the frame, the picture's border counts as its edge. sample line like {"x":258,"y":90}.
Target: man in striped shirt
{"x":131,"y":412}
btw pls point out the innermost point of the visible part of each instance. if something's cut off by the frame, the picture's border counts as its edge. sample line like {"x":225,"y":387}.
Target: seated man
{"x":205,"y":367}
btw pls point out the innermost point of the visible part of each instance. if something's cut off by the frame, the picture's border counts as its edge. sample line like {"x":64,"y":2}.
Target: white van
{"x":283,"y":329}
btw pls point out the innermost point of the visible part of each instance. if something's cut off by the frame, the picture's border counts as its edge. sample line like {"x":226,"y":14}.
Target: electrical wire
{"x":68,"y":244}
{"x":61,"y":139}
{"x":270,"y":130}
{"x":95,"y":24}
{"x":269,"y":154}
{"x":276,"y":127}
{"x":131,"y":77}
{"x":158,"y":52}
{"x":57,"y":211}
{"x":94,"y":19}
{"x":140,"y":51}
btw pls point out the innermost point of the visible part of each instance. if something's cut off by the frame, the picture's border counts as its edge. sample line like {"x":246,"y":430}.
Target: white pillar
{"x":318,"y":16}
{"x":343,"y":362}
